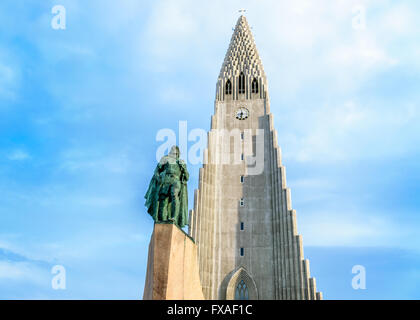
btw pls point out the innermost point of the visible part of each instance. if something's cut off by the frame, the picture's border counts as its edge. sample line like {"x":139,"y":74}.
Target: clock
{"x":242,"y":113}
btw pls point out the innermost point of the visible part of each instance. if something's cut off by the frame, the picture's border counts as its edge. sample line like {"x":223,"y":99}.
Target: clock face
{"x":242,"y":113}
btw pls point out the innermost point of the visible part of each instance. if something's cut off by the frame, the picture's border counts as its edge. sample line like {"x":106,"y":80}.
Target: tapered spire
{"x":241,"y":60}
{"x":242,"y":55}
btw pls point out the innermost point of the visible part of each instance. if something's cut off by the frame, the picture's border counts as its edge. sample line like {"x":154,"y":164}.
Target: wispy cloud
{"x":18,"y":269}
{"x":9,"y":78}
{"x":18,"y":155}
{"x":357,"y":229}
{"x":23,"y":272}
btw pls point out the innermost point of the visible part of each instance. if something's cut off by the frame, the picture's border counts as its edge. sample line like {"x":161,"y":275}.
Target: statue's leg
{"x":163,"y":209}
{"x":175,"y":191}
{"x":163,"y":199}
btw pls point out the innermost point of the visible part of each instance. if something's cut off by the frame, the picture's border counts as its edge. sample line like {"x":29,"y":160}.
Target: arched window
{"x":241,"y":292}
{"x":240,"y":285}
{"x":228,"y":87}
{"x":241,"y":83}
{"x":254,"y":86}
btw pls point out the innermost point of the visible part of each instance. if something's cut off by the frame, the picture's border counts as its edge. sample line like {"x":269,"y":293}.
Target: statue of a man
{"x":167,"y":197}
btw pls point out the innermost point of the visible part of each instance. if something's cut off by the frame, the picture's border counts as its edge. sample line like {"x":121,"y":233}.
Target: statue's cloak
{"x":153,"y":192}
{"x":183,"y":206}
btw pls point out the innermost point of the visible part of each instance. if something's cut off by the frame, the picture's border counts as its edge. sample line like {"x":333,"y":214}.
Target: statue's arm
{"x":154,"y":182}
{"x":152,"y":188}
{"x":159,"y":169}
{"x":184,"y":172}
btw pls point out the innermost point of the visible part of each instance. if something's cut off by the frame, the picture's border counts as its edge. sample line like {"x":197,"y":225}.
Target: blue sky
{"x":80,"y":109}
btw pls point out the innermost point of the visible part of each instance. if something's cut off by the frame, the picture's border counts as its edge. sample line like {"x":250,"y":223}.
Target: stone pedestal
{"x":172,"y":267}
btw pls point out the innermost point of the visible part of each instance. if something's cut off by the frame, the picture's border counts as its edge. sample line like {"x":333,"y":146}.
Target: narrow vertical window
{"x":241,"y":292}
{"x":241,"y":83}
{"x":242,"y":179}
{"x":254,"y":86}
{"x":228,"y":89}
{"x":242,"y":202}
{"x":242,"y":252}
{"x":242,"y":156}
{"x":242,"y":226}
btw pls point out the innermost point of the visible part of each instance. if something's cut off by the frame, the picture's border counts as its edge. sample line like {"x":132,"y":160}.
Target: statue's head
{"x":175,"y":152}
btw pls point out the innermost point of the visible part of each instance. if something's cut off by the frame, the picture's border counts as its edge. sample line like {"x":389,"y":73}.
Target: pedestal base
{"x":172,"y":267}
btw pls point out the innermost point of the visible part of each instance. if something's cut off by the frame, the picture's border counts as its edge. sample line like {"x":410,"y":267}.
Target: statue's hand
{"x":184,"y":179}
{"x":185,"y":174}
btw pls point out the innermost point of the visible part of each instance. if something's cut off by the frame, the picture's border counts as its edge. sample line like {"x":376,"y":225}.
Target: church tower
{"x":243,"y":222}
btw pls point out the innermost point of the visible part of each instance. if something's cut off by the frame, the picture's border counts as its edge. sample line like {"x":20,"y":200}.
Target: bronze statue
{"x":167,"y":197}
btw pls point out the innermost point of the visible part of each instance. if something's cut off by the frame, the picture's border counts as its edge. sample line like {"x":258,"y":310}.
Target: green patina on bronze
{"x":167,"y":197}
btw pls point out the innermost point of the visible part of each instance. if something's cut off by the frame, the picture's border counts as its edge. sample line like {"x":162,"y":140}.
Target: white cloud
{"x":74,"y":160}
{"x":348,"y":131}
{"x":173,"y":94}
{"x":357,"y":229}
{"x":24,"y":271}
{"x":317,"y":142}
{"x":309,"y":183}
{"x":6,"y":74}
{"x":88,"y":246}
{"x":170,"y":25}
{"x":74,"y":246}
{"x":362,"y":54}
{"x":9,"y":79}
{"x":400,"y":20}
{"x":18,"y":155}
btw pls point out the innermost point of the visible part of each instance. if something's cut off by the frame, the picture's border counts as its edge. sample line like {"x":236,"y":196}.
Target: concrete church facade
{"x":243,"y":222}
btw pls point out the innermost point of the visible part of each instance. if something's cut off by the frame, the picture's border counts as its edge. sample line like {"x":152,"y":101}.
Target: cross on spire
{"x":241,"y":11}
